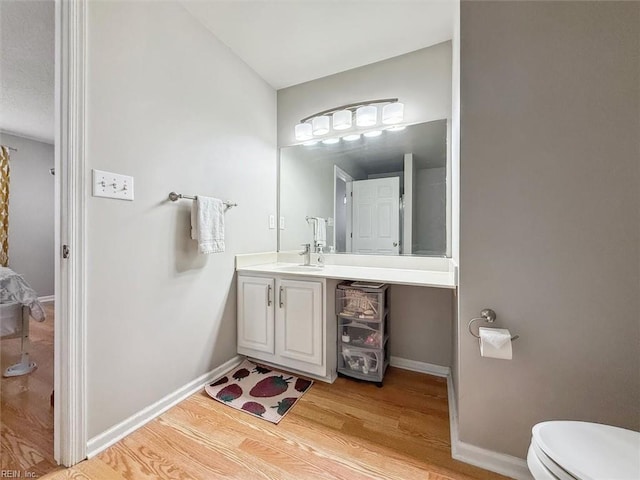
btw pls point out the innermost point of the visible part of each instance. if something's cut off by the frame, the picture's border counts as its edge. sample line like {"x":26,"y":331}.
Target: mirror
{"x":384,"y":195}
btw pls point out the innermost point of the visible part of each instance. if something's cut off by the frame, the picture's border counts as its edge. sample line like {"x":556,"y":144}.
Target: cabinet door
{"x":255,"y":314}
{"x":299,"y":321}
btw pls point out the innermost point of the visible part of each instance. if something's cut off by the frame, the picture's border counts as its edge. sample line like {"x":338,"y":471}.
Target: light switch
{"x":281,"y":223}
{"x":112,"y":185}
{"x":272,"y":222}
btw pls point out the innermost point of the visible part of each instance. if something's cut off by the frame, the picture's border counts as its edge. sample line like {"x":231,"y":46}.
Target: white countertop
{"x":403,"y":276}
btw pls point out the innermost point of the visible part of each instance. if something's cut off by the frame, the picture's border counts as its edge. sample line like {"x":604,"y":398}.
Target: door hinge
{"x":65,"y":251}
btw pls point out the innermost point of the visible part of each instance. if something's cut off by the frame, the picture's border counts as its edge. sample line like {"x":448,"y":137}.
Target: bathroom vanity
{"x":287,"y":320}
{"x":286,"y":311}
{"x":385,"y":203}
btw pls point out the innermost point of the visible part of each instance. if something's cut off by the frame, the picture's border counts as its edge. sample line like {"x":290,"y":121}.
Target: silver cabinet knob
{"x":395,"y":244}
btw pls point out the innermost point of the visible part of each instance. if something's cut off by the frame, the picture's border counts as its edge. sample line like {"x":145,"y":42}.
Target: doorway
{"x":27,"y":278}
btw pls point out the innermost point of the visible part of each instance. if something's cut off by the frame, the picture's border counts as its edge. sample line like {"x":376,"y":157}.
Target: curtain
{"x":4,"y":206}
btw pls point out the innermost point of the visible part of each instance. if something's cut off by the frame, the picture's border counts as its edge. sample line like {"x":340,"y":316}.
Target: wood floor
{"x":347,"y":430}
{"x":26,"y":414}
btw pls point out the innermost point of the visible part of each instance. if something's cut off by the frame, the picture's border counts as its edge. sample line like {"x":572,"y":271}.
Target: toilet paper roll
{"x":495,"y":343}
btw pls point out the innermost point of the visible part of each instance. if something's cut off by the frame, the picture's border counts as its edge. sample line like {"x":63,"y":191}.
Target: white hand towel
{"x":207,"y":224}
{"x":320,"y":232}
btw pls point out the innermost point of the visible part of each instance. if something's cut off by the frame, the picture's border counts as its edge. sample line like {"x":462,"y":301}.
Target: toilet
{"x":570,"y":450}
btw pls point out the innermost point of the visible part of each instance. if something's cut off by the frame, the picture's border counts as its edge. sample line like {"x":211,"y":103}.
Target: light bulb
{"x":321,"y":125}
{"x":330,"y":141}
{"x":392,"y":113}
{"x":342,"y":120}
{"x":351,"y":138}
{"x":303,"y":131}
{"x":373,"y":133}
{"x":366,"y":116}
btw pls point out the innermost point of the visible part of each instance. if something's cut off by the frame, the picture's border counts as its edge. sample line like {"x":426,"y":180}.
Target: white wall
{"x":31,"y":214}
{"x":306,"y":190}
{"x":172,"y":106}
{"x":550,"y":220}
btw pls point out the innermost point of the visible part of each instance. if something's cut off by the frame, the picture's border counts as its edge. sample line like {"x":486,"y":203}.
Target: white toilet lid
{"x":590,"y":451}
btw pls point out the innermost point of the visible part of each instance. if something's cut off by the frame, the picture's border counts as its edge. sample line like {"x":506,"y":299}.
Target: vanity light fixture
{"x":341,"y":118}
{"x":395,"y":128}
{"x":330,"y":141}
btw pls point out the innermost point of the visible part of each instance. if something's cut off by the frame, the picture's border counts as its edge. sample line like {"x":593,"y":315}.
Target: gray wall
{"x":31,"y":212}
{"x":550,"y":218}
{"x":171,"y":105}
{"x":430,"y":228}
{"x":420,"y":324}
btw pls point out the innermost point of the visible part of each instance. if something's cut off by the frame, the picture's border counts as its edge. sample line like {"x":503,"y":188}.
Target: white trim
{"x":512,"y":467}
{"x":338,"y":173}
{"x":421,"y":367}
{"x":70,"y":438}
{"x":47,"y":299}
{"x":107,"y":438}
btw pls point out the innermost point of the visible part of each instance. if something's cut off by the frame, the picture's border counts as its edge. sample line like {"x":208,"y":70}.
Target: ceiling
{"x":288,"y":42}
{"x":285,"y":41}
{"x":27,"y":35}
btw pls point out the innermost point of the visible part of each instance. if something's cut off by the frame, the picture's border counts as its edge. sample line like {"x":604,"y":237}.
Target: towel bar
{"x":174,"y":197}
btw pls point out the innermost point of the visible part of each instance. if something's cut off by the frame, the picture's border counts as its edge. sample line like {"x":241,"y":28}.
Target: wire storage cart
{"x":363,"y":330}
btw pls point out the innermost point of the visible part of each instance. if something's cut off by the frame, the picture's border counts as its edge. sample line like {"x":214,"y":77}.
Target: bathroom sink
{"x":300,"y":268}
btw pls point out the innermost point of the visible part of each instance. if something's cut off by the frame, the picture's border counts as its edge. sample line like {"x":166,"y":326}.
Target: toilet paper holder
{"x":489,"y":316}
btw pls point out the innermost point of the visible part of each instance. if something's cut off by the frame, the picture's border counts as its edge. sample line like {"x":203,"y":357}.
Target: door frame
{"x":338,"y":173}
{"x":70,"y":428}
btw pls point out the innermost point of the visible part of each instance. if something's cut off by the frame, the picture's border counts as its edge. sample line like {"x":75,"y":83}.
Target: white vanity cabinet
{"x":282,"y":321}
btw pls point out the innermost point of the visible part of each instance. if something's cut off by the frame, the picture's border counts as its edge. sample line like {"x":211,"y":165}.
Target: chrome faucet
{"x":306,"y":253}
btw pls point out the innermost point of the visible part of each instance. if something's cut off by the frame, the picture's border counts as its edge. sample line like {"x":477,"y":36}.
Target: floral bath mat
{"x":258,"y":390}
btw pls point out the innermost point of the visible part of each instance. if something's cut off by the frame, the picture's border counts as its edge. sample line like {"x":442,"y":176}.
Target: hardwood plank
{"x":26,"y":415}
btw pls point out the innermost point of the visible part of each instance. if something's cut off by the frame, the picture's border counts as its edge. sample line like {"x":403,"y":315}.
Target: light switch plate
{"x":112,"y":185}
{"x":272,"y":222}
{"x":281,"y":223}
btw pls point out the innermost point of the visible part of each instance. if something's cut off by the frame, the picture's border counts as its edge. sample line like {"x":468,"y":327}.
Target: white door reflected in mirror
{"x":376,"y":216}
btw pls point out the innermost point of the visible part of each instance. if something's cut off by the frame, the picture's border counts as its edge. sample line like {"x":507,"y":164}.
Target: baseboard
{"x":512,"y":467}
{"x":107,"y":438}
{"x":421,"y":367}
{"x":47,"y":299}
